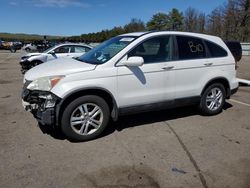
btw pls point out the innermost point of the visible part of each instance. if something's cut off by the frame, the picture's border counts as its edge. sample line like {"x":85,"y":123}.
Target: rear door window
{"x":79,"y":49}
{"x":190,"y":48}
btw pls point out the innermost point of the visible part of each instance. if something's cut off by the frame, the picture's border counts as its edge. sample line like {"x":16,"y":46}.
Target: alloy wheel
{"x":86,"y":119}
{"x":214,"y":99}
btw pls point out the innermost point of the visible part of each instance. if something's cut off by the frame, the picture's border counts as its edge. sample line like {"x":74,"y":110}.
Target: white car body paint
{"x":149,"y":83}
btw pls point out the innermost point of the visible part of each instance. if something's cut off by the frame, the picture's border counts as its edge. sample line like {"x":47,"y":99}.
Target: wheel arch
{"x":224,"y":81}
{"x":36,"y":60}
{"x":101,"y":92}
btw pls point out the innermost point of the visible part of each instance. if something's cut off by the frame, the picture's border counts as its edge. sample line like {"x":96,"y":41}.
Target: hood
{"x":56,"y":67}
{"x":31,"y":54}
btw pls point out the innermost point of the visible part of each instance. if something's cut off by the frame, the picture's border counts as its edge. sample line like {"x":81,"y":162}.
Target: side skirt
{"x":159,"y":106}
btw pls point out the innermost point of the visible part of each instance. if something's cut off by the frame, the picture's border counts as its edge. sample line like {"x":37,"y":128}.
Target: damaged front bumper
{"x":42,"y":104}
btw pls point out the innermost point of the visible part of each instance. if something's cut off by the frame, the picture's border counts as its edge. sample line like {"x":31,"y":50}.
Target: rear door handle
{"x":168,"y":68}
{"x":208,"y":64}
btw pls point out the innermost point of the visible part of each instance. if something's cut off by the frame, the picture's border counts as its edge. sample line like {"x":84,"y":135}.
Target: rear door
{"x":191,"y":64}
{"x":76,"y":51}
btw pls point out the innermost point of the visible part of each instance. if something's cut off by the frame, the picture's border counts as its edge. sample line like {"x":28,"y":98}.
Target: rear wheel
{"x":85,"y":118}
{"x":213,"y":99}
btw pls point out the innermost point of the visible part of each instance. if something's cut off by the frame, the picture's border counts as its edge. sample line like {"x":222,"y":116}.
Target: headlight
{"x":44,"y":83}
{"x":25,"y":58}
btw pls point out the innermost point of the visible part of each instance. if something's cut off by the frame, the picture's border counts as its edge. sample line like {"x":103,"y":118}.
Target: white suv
{"x":130,"y":73}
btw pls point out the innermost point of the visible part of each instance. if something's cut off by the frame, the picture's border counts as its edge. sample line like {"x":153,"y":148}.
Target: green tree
{"x":176,"y":19}
{"x":159,"y":21}
{"x":134,"y":26}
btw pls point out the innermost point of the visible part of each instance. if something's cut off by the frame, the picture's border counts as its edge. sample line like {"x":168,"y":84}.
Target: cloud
{"x":13,"y":3}
{"x":58,"y":3}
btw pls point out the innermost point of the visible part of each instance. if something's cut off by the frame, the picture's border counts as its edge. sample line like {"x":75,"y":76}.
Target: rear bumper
{"x":233,"y":91}
{"x":234,"y":86}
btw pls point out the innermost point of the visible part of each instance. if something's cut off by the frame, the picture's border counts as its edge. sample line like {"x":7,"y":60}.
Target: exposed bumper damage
{"x":42,"y":104}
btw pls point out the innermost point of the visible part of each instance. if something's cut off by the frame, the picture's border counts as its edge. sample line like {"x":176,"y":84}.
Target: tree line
{"x":26,"y":37}
{"x":230,"y":21}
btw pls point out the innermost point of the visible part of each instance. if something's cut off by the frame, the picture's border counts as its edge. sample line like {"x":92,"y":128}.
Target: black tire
{"x":204,"y":104}
{"x":71,"y":108}
{"x":27,"y":50}
{"x":34,"y":63}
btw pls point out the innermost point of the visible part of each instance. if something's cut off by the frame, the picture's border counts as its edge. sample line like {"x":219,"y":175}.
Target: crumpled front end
{"x":42,"y":104}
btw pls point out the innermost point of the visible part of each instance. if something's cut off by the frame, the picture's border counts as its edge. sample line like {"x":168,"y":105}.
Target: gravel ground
{"x":172,"y":148}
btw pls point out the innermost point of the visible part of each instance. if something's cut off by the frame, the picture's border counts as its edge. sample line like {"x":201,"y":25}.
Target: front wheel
{"x":34,"y":63}
{"x":27,"y":50}
{"x":85,"y":118}
{"x":213,"y":99}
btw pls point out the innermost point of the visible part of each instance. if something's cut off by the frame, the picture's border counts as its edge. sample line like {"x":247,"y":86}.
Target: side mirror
{"x":134,"y":61}
{"x":52,"y":52}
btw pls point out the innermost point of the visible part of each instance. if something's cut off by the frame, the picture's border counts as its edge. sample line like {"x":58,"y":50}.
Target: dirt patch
{"x":5,"y":82}
{"x":118,"y":176}
{"x":235,"y":173}
{"x":5,"y":97}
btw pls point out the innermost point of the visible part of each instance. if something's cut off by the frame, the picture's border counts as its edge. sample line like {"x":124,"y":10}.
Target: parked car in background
{"x":68,"y":50}
{"x":131,"y":73}
{"x":42,"y":45}
{"x":30,"y":47}
{"x":18,"y":45}
{"x":12,"y":46}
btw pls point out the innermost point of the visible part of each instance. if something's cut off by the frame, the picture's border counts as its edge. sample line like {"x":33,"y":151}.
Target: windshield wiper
{"x":78,"y":59}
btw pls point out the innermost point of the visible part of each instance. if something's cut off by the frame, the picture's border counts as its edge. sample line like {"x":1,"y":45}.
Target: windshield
{"x":46,"y":51}
{"x":105,"y":51}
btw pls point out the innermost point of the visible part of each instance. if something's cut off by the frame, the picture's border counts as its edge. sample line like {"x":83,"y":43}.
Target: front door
{"x":62,"y":51}
{"x":153,"y":82}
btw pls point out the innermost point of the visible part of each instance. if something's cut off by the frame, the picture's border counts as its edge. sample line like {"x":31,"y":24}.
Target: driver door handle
{"x":168,"y":68}
{"x":208,"y":64}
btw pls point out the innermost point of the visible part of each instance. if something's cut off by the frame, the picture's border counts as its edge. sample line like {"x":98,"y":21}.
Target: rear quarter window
{"x":190,"y":48}
{"x":215,"y":50}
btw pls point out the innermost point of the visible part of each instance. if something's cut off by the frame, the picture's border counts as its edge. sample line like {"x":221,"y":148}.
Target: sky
{"x":75,"y":17}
